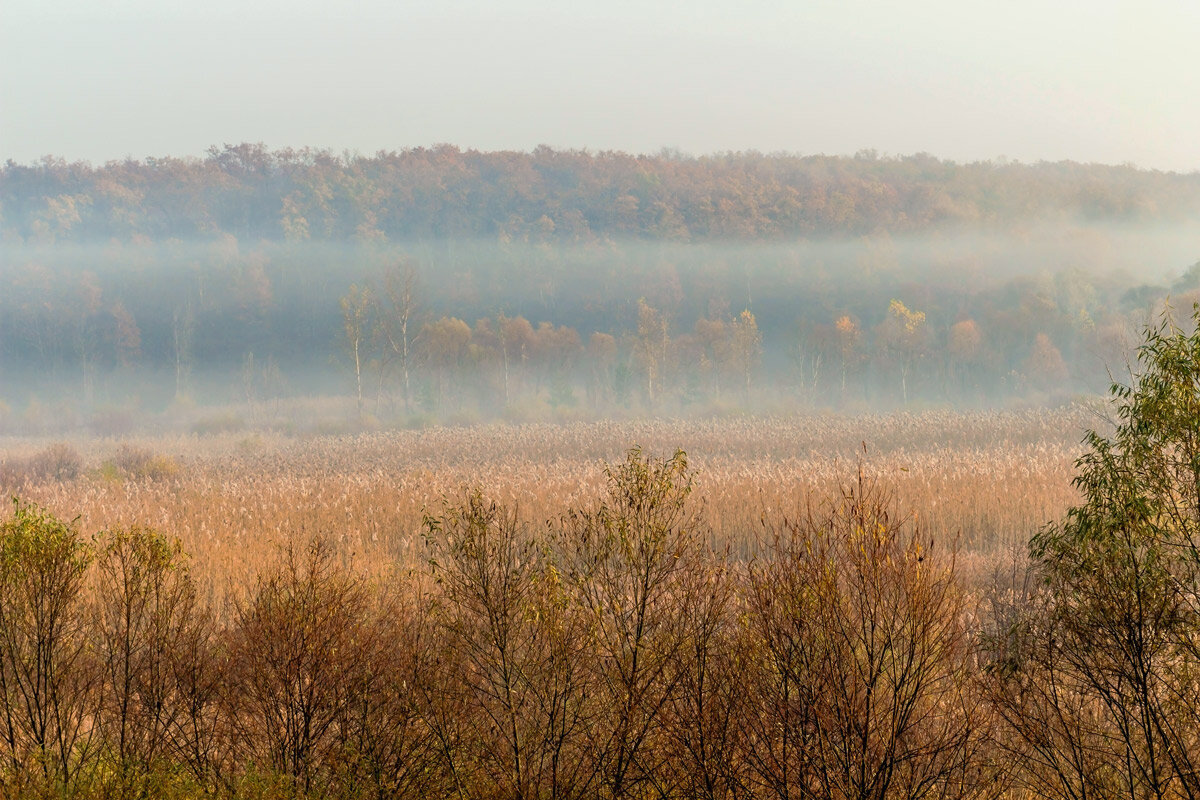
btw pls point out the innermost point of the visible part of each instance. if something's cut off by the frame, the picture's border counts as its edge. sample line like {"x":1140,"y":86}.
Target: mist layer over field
{"x":301,"y":291}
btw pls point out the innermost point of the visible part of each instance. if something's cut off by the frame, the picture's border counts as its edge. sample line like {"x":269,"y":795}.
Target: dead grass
{"x":987,"y":480}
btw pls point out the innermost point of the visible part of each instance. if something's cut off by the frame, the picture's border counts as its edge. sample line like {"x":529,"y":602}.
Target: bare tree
{"x":704,"y":712}
{"x":295,"y":656}
{"x":396,"y":327}
{"x":199,"y":735}
{"x":144,"y":610}
{"x":862,"y":626}
{"x":391,"y":752}
{"x":513,"y":652}
{"x":627,"y":563}
{"x":47,"y":684}
{"x":356,"y":308}
{"x":1055,"y":734}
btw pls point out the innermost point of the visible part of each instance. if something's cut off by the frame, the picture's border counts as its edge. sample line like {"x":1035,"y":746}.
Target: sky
{"x":1027,"y":80}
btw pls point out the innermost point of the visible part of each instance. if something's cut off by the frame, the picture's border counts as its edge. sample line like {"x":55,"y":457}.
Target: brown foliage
{"x":625,"y":635}
{"x":861,"y":681}
{"x":57,"y":462}
{"x":294,"y":662}
{"x":46,"y":680}
{"x":145,"y":619}
{"x":512,"y":649}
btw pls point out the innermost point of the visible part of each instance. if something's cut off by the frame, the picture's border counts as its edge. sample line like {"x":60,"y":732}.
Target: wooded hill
{"x":443,"y":192}
{"x":870,"y":282}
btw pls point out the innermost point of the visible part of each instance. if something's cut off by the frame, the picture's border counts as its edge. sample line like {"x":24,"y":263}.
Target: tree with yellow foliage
{"x":903,"y":338}
{"x":747,"y":348}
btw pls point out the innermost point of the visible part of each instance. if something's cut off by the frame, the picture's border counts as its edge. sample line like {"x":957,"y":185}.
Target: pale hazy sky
{"x":1094,"y":80}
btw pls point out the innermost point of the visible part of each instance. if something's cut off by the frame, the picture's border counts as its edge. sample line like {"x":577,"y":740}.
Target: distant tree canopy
{"x":443,"y":192}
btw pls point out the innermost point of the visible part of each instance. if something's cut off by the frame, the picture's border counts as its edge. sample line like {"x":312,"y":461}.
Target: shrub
{"x":144,"y":616}
{"x":512,"y":656}
{"x":219,"y":423}
{"x":629,"y":563}
{"x":859,"y":666}
{"x":137,"y":463}
{"x":59,"y":461}
{"x":46,"y":684}
{"x":1098,"y":680}
{"x":296,"y":654}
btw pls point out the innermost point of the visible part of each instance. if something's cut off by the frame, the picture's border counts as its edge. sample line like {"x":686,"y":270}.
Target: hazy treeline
{"x":441,"y":193}
{"x":613,"y":651}
{"x":489,"y":330}
{"x":220,"y":280}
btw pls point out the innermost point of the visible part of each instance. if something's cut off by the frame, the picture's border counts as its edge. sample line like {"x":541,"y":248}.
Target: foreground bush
{"x":1098,"y":678}
{"x":861,"y":676}
{"x":609,"y":652}
{"x":146,"y":623}
{"x":47,"y":684}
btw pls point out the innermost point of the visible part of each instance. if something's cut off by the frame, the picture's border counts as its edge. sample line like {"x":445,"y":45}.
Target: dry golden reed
{"x":987,"y":480}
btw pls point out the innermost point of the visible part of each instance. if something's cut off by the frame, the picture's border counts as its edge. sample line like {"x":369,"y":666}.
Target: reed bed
{"x":982,"y":481}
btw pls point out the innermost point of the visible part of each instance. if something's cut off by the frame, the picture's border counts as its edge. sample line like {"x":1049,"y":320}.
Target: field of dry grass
{"x":357,"y":615}
{"x":987,"y":480}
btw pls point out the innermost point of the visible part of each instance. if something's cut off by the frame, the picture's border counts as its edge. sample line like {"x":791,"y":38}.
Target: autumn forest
{"x":442,"y":284}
